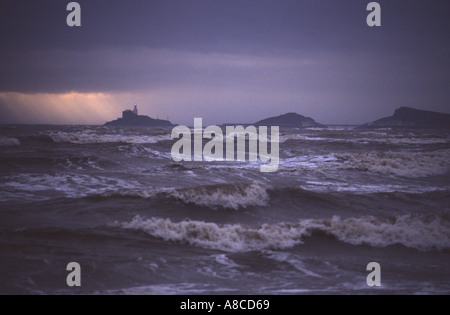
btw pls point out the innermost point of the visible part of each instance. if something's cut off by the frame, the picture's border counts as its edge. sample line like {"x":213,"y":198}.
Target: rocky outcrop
{"x":132,"y":120}
{"x":413,"y":118}
{"x":291,"y":120}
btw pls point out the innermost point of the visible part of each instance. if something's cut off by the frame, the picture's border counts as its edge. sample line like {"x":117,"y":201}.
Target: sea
{"x":114,"y":201}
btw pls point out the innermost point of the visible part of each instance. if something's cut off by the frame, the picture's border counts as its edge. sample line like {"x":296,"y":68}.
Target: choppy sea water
{"x":113,"y":200}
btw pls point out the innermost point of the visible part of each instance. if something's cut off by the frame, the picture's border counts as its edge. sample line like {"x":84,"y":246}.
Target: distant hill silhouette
{"x":132,"y":119}
{"x":406,"y":117}
{"x":290,"y":120}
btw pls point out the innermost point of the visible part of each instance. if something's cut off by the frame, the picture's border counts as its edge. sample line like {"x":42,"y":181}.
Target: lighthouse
{"x":130,"y":114}
{"x":132,"y":118}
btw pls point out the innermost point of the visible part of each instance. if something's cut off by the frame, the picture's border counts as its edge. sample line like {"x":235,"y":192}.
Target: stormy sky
{"x":223,"y":60}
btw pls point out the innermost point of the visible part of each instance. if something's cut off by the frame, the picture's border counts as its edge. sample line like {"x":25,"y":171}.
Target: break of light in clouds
{"x":225,"y":61}
{"x":183,"y":85}
{"x":69,"y":108}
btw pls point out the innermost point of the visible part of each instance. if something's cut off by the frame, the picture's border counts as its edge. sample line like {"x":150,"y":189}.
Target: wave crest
{"x":406,"y":164}
{"x":90,"y":137}
{"x":424,"y":233}
{"x":224,"y":196}
{"x":8,"y":142}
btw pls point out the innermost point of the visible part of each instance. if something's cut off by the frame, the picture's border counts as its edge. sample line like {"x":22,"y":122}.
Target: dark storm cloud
{"x":213,"y":25}
{"x":40,"y":53}
{"x":317,"y":51}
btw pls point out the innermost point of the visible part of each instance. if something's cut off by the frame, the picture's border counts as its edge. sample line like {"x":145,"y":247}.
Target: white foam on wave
{"x":287,"y":137}
{"x":42,"y":187}
{"x":406,"y":164}
{"x":360,"y":188}
{"x":80,"y":163}
{"x":293,"y":260}
{"x":173,"y":289}
{"x":396,"y":140}
{"x":308,"y":162}
{"x":423,"y":233}
{"x":224,"y":196}
{"x":236,"y":196}
{"x":8,"y":142}
{"x":380,"y":138}
{"x":408,"y":141}
{"x":90,"y":137}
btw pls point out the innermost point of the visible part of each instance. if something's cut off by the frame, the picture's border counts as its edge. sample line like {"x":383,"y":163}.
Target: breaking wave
{"x":379,"y":138}
{"x":8,"y":142}
{"x":225,"y":196}
{"x":43,"y":187}
{"x":90,"y":137}
{"x":406,"y":164}
{"x":287,"y":137}
{"x":424,"y":233}
{"x":407,"y":141}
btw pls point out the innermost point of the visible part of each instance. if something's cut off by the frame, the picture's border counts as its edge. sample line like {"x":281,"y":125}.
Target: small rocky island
{"x":131,"y":118}
{"x":290,"y":120}
{"x":406,"y":117}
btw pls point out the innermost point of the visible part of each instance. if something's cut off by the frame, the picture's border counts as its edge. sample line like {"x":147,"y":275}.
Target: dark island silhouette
{"x":290,"y":120}
{"x":406,"y":117}
{"x":131,"y":118}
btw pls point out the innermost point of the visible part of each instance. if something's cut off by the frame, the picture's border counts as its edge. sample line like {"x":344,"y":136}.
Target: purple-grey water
{"x":113,"y":200}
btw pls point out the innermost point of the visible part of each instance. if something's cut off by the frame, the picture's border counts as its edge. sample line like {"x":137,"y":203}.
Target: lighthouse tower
{"x":135,"y":110}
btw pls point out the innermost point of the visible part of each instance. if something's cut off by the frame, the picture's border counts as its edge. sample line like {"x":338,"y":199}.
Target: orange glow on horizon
{"x":66,"y":108}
